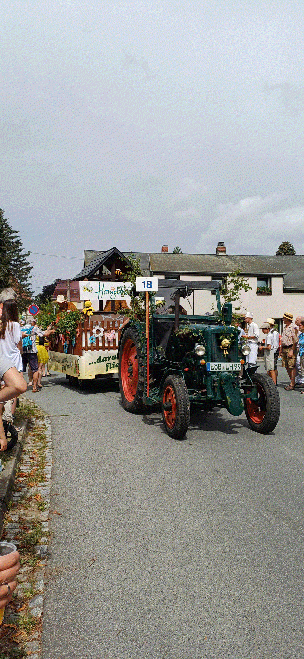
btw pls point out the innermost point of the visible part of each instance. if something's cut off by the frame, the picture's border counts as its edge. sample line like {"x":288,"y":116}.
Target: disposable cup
{"x":5,"y":548}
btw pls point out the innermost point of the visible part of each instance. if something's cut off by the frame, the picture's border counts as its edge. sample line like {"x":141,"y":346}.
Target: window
{"x":262,"y":282}
{"x":263,"y":285}
{"x":219,"y":278}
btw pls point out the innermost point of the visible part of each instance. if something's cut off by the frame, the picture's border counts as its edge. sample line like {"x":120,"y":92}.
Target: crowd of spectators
{"x":289,"y":346}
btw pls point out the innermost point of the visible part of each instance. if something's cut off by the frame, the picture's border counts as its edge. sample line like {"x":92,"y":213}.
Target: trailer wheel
{"x":131,"y":371}
{"x":263,"y":414}
{"x":175,"y":406}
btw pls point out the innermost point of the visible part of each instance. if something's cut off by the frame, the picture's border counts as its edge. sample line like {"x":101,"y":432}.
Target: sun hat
{"x":60,"y":299}
{"x":248,"y":314}
{"x":265,"y":326}
{"x":271,"y":321}
{"x":288,"y":315}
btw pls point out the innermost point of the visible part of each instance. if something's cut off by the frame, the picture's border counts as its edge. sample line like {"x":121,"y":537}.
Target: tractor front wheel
{"x":175,"y":406}
{"x":263,"y":414}
{"x":131,"y":370}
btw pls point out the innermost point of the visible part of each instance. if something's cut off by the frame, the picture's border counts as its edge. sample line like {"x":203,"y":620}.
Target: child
{"x":268,"y":348}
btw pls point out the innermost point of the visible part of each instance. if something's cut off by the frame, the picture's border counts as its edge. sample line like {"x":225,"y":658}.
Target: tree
{"x":232,"y":286}
{"x":46,"y":293}
{"x":177,"y":250}
{"x":286,"y":249}
{"x":14,"y":267}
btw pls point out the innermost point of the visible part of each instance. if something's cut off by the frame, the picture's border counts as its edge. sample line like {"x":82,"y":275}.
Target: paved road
{"x":172,"y":550}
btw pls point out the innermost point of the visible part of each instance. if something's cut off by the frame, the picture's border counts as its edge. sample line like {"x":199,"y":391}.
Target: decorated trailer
{"x":95,"y":350}
{"x":85,"y":343}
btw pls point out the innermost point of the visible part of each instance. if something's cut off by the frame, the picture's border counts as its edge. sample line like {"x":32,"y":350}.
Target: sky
{"x":143,"y":123}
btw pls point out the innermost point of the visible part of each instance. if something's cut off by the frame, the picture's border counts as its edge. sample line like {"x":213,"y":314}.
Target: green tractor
{"x":179,"y":361}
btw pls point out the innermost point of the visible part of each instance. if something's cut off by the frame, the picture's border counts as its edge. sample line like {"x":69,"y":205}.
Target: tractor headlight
{"x":199,"y":349}
{"x":246,"y":349}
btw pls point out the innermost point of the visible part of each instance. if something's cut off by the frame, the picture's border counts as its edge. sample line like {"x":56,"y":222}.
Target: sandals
{"x":289,"y":388}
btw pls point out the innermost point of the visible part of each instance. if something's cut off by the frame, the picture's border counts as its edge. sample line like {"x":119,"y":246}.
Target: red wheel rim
{"x":129,"y":370}
{"x":169,"y":401}
{"x":256,"y":410}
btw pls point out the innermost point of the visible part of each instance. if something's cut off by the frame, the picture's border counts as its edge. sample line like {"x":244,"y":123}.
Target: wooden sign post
{"x":147,"y":285}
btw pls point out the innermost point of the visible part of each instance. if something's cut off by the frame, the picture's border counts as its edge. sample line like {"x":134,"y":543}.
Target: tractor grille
{"x":217,"y":354}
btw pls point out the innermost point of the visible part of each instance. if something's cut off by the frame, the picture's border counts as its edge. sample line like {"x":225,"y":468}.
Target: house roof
{"x":290,"y":267}
{"x":98,"y":259}
{"x":93,"y":260}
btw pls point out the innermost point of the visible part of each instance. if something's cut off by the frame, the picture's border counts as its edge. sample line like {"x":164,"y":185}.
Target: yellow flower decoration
{"x":88,"y":309}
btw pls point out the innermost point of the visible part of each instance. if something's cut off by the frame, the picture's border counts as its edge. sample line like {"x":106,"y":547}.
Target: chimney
{"x":164,"y":248}
{"x":221,"y":249}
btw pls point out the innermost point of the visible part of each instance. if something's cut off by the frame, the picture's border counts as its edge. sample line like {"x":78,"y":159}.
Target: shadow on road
{"x":82,"y":387}
{"x":205,"y":421}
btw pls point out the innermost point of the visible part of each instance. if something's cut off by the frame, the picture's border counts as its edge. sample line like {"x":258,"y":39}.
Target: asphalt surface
{"x":172,"y":550}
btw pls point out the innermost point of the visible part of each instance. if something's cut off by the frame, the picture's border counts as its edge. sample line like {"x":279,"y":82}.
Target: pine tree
{"x":14,"y":267}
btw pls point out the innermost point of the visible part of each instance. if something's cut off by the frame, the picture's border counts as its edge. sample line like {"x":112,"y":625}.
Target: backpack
{"x":27,"y":341}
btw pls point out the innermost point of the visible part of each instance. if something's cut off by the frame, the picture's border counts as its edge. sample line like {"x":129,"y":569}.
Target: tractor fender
{"x":170,"y":371}
{"x":122,"y":329}
{"x":232,"y":394}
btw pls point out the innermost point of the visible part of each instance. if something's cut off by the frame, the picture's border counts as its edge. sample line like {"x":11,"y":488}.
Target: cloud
{"x":255,"y":225}
{"x":291,"y":96}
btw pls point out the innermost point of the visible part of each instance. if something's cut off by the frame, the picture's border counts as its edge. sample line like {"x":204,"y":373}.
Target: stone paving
{"x":22,"y":514}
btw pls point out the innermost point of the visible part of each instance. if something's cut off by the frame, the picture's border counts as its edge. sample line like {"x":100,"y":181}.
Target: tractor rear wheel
{"x":131,"y":370}
{"x":264,"y":413}
{"x":175,"y":406}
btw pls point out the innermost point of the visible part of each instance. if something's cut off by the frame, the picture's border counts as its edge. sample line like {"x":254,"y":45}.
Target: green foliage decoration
{"x":47,"y":314}
{"x":137,"y":308}
{"x":67,"y":323}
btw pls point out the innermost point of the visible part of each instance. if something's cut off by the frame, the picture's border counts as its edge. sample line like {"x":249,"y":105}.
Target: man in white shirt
{"x":252,"y":335}
{"x":276,"y":343}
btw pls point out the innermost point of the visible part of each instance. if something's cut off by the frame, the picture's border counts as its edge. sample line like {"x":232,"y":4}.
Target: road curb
{"x":7,"y":476}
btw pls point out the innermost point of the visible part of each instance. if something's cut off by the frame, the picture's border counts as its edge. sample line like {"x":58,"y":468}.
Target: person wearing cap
{"x":276,"y":343}
{"x":268,"y":348}
{"x":252,"y":335}
{"x":288,"y":349}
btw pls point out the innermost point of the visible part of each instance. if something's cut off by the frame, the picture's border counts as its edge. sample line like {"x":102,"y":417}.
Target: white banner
{"x":105,"y":290}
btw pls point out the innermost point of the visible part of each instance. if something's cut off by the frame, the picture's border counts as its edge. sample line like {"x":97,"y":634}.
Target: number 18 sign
{"x":146,"y":284}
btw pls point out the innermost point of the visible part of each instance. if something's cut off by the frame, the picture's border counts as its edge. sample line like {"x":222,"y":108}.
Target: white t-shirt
{"x":253,"y":330}
{"x":269,"y":341}
{"x":8,"y":345}
{"x":276,"y":338}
